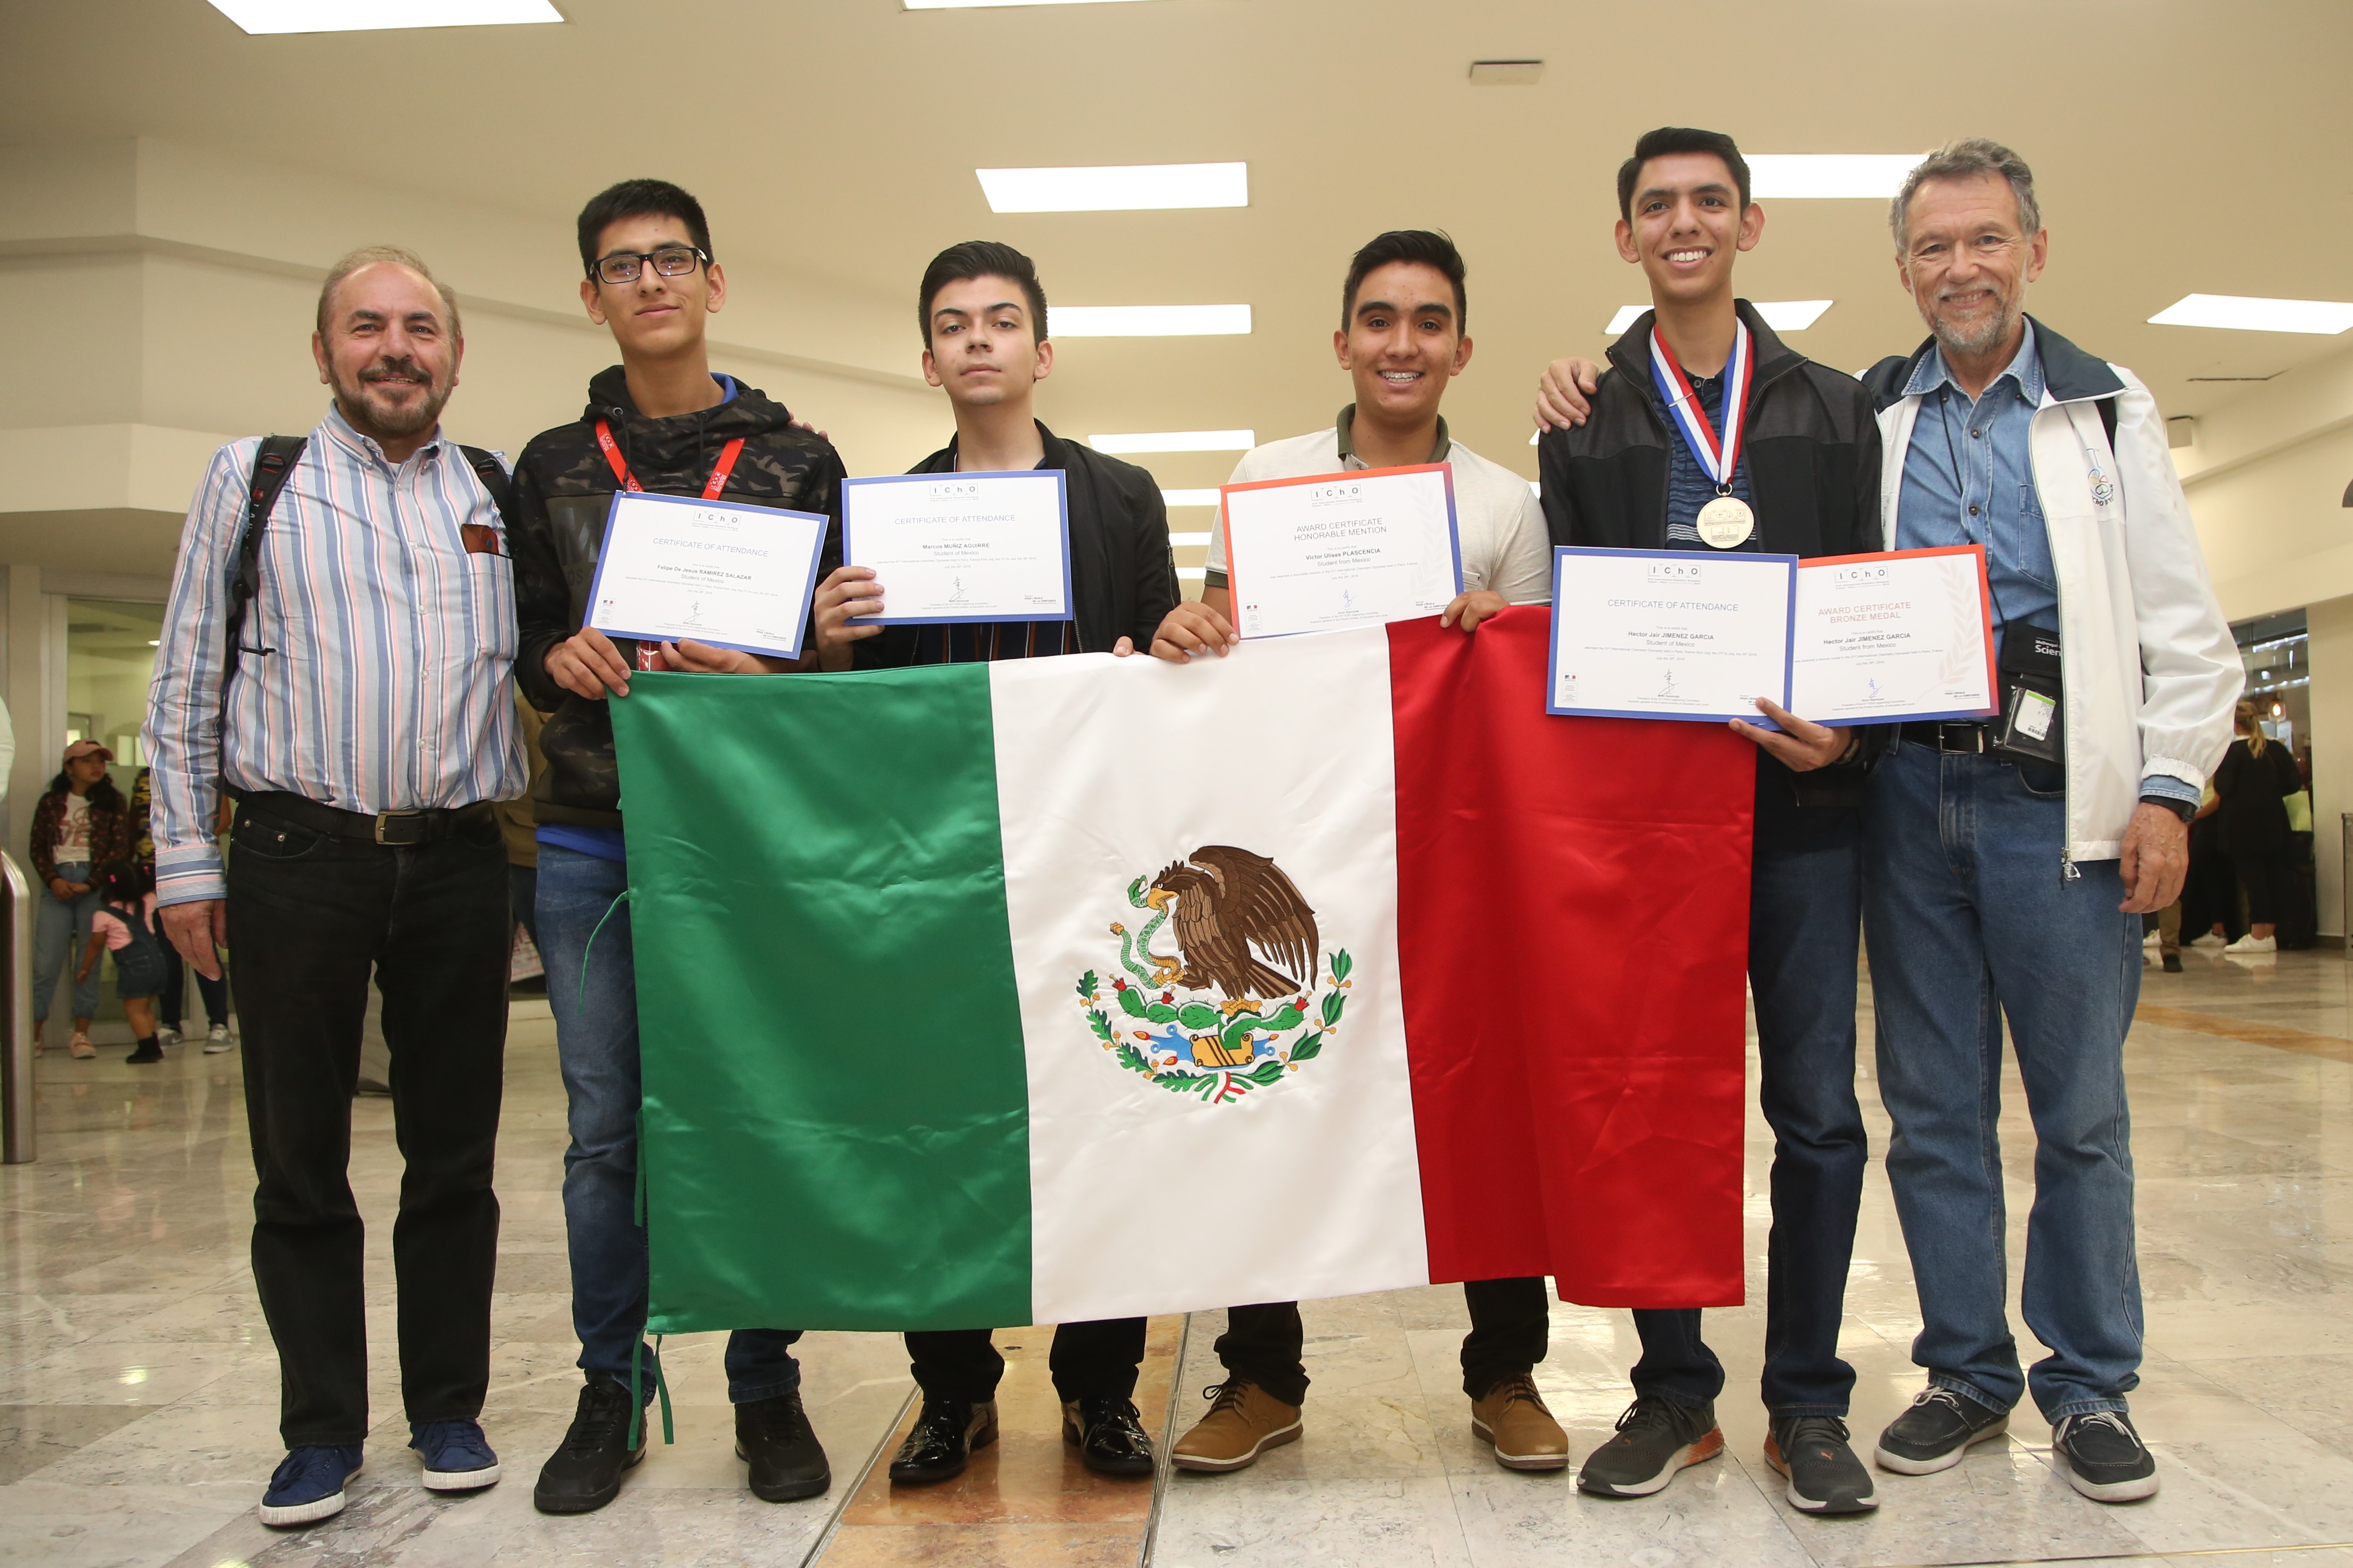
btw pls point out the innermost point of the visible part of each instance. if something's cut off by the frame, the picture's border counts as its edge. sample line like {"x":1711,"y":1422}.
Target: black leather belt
{"x":1950,"y":735}
{"x":394,"y":829}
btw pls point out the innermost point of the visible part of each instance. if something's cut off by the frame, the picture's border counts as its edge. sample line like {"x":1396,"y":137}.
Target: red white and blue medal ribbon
{"x":1725,"y":521}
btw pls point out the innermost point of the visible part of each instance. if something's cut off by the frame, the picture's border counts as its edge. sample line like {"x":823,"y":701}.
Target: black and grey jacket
{"x":1812,"y":454}
{"x":562,"y":488}
{"x":1122,"y":576}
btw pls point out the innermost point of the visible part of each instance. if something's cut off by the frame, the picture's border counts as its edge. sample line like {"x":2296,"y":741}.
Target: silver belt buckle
{"x":382,"y":817}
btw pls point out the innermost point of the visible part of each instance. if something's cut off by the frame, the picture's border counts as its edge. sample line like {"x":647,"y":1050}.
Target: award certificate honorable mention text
{"x":962,"y":547}
{"x":1342,"y":550}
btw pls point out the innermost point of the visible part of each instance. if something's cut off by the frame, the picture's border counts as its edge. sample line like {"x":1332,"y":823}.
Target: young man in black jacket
{"x":982,"y":315}
{"x":1799,"y":476}
{"x":659,"y":421}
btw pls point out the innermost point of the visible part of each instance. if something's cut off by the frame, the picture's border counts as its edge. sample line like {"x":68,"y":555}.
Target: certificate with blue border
{"x":1670,"y":633}
{"x":1353,"y":549}
{"x":949,"y":549}
{"x":680,"y":568}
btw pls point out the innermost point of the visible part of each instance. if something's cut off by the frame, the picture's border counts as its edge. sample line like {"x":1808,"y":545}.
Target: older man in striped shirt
{"x":364,"y":725}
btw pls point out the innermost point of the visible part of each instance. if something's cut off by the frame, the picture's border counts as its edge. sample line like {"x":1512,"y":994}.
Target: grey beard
{"x":399,"y":424}
{"x":1991,"y":336}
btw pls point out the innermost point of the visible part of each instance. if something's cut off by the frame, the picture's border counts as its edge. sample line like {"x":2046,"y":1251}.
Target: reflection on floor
{"x":138,"y":1390}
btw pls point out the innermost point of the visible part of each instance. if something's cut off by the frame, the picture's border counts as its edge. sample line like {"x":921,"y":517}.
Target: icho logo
{"x":1677,"y":574}
{"x":955,"y":489}
{"x":1333,"y":495}
{"x":1878,"y":576}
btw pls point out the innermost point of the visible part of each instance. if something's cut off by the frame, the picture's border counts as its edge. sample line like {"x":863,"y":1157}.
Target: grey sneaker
{"x":1824,"y":1475}
{"x":2105,"y":1458}
{"x":216,"y":1040}
{"x":1656,"y":1437}
{"x":1937,"y":1432}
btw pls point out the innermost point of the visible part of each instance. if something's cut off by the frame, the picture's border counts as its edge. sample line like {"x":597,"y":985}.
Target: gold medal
{"x":1726,"y":522}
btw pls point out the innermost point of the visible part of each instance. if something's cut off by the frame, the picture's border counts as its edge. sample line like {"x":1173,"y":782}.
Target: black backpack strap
{"x":271,"y":464}
{"x":496,"y":481}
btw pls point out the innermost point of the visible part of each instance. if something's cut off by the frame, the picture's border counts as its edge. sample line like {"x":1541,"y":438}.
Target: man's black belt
{"x":1950,"y":735}
{"x":397,"y":829}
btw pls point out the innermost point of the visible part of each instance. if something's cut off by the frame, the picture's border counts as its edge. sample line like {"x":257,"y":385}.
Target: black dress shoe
{"x":787,"y":1461}
{"x":945,"y":1435}
{"x":1108,"y":1436}
{"x":584,"y":1474}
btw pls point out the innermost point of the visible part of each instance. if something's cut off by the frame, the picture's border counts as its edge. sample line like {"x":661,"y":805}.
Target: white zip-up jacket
{"x":2149,"y":672}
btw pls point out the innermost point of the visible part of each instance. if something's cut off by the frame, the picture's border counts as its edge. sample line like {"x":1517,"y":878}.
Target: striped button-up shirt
{"x":374,"y":665}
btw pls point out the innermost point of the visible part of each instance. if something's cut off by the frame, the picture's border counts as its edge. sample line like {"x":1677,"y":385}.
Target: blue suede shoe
{"x":309,"y":1486}
{"x":458,"y":1457}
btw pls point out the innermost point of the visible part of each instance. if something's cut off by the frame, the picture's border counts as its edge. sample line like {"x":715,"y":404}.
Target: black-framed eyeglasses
{"x":670,"y":261}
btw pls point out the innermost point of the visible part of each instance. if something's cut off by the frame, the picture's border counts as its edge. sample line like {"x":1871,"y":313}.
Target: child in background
{"x":124,"y":926}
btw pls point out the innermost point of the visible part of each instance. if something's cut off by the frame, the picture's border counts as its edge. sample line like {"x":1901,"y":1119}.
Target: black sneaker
{"x":1937,"y":1431}
{"x":2173,"y":963}
{"x":1656,"y":1437}
{"x":2105,"y":1459}
{"x":1108,"y":1435}
{"x":787,"y":1461}
{"x":584,"y":1474}
{"x":942,"y":1442}
{"x":146,"y":1051}
{"x":1824,"y":1475}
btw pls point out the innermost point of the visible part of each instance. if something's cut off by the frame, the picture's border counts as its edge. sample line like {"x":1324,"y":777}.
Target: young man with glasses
{"x":1706,"y":433}
{"x":1402,"y":339}
{"x":660,"y":421}
{"x":983,"y":314}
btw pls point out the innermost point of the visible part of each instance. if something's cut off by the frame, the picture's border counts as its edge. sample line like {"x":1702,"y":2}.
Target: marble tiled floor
{"x":138,"y":1387}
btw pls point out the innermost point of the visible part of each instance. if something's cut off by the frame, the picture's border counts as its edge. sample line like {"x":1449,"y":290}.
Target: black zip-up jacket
{"x":1122,"y":576}
{"x":563,"y":486}
{"x":1811,"y":449}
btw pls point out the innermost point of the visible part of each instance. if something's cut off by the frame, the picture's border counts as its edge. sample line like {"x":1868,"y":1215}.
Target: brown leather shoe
{"x":1244,"y":1421}
{"x":1514,"y":1420}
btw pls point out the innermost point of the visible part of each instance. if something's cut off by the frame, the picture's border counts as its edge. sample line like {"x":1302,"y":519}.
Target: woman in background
{"x":2255,"y":777}
{"x":81,"y":821}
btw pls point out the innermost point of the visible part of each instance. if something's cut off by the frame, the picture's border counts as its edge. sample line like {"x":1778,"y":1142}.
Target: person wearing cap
{"x":356,"y":707}
{"x":81,"y":822}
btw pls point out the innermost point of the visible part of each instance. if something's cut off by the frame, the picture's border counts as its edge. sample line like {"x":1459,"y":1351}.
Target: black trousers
{"x":310,"y":918}
{"x":1089,"y":1361}
{"x":1509,"y":1320}
{"x":1805,"y":921}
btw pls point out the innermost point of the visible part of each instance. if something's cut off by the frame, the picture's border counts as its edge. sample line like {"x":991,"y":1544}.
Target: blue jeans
{"x":60,"y":931}
{"x":596,"y":1040}
{"x":1972,"y":914}
{"x":1804,"y":921}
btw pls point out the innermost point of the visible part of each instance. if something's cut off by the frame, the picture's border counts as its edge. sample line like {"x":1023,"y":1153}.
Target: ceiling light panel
{"x":1126,"y":187}
{"x":1626,"y":316}
{"x":1148,"y":321}
{"x":1781,"y":315}
{"x":1188,"y":498}
{"x":1177,"y":441}
{"x":1783,"y":175}
{"x":2247,"y":314}
{"x":976,"y":4}
{"x":371,"y":15}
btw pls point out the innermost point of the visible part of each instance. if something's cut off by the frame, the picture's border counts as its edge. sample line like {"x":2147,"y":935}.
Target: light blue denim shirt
{"x":1969,"y":478}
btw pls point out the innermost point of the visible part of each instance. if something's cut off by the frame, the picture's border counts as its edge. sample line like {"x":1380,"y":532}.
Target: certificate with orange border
{"x":1341,"y":550}
{"x":1900,"y":636}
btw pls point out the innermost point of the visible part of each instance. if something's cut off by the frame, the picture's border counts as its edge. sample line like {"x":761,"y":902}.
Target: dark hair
{"x":640,"y":199}
{"x":103,"y":796}
{"x":1669,"y":139}
{"x":1422,"y":246}
{"x":981,"y":259}
{"x":122,"y":882}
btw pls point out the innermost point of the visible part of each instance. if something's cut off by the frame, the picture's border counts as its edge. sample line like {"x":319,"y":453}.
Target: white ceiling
{"x":2181,"y":146}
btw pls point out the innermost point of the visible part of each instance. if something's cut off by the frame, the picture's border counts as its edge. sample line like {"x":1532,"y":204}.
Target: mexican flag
{"x":1062,"y":989}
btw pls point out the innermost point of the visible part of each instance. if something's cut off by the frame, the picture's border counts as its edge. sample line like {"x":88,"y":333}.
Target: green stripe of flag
{"x":831,"y":1135}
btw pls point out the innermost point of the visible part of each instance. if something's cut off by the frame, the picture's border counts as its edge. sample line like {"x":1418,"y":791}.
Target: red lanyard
{"x":649,"y":654}
{"x":717,"y":482}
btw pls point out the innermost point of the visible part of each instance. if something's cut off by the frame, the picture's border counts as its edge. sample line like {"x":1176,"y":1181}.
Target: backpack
{"x":271,"y":464}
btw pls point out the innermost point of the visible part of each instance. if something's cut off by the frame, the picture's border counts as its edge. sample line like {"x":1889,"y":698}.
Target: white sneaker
{"x":216,"y":1040}
{"x":2209,"y":940}
{"x":80,"y":1048}
{"x":2254,"y":943}
{"x":167,"y":1036}
{"x":2151,"y":937}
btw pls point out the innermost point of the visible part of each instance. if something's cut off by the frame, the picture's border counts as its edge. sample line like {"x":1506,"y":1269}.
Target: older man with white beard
{"x":335,"y":655}
{"x":2007,"y":861}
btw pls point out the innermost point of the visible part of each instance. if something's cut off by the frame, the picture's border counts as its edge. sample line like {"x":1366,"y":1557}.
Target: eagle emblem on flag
{"x":1247,"y":998}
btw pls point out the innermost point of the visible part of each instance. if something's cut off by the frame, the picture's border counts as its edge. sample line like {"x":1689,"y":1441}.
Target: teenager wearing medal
{"x":983,"y":316}
{"x":1402,"y":340}
{"x":1706,"y":433}
{"x":663,"y":422}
